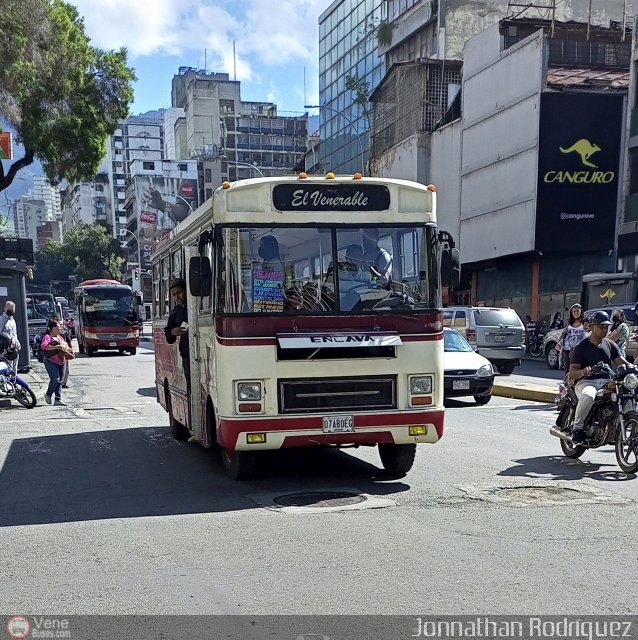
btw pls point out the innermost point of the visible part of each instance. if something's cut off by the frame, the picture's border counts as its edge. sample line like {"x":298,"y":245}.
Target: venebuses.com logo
{"x":18,"y":627}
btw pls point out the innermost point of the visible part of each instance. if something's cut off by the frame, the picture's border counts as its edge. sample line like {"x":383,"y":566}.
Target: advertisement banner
{"x":6,"y":146}
{"x":162,"y":203}
{"x":578,"y":171}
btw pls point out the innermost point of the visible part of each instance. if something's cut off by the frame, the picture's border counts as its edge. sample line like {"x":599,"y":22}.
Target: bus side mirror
{"x":200,"y":277}
{"x":450,"y":267}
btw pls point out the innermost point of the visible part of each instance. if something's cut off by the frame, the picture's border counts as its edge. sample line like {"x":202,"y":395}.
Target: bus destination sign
{"x":331,"y":197}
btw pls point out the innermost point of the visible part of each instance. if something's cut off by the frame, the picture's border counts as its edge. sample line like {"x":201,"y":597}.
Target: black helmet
{"x":600,"y":317}
{"x":11,"y":354}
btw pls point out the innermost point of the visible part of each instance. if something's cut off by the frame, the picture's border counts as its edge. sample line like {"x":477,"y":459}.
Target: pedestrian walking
{"x":557,"y":322}
{"x":8,"y":327}
{"x":67,"y":339}
{"x":620,"y":331}
{"x":56,"y":352}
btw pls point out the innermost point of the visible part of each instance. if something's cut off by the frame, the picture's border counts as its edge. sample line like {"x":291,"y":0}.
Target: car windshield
{"x":306,"y":270}
{"x":454,"y":341}
{"x":495,"y":317}
{"x":40,"y":307}
{"x":110,"y":307}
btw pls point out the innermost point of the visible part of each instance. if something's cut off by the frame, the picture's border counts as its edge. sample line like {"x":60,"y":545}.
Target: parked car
{"x":552,"y":357}
{"x":496,"y":333}
{"x":466,"y":372}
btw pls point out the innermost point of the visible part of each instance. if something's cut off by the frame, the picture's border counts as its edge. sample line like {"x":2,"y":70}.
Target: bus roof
{"x":318,"y":199}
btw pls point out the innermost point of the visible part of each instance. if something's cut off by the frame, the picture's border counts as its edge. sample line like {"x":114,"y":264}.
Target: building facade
{"x":136,"y":138}
{"x":350,"y":68}
{"x":42,"y":190}
{"x":30,"y":213}
{"x":88,"y":202}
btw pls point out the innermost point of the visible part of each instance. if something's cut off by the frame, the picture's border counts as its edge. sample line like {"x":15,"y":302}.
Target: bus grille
{"x":112,"y":336}
{"x":337,"y":394}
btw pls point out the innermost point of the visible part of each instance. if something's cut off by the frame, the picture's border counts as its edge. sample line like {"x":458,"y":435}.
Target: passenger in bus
{"x":177,"y":327}
{"x":269,"y":252}
{"x":377,"y":259}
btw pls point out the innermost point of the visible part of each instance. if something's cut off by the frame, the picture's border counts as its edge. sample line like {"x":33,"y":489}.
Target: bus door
{"x":193,"y":306}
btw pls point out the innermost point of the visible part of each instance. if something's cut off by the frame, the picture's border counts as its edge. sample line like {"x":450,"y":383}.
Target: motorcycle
{"x":613,"y":418}
{"x":537,"y":341}
{"x":12,"y":385}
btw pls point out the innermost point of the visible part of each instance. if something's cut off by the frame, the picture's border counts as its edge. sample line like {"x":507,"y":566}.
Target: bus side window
{"x":206,"y":251}
{"x":408,"y":255}
{"x":156,"y":290}
{"x":166,"y":280}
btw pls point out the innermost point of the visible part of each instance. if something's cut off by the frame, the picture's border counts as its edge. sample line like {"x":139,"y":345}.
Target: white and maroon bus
{"x":314,"y":314}
{"x":107,"y":317}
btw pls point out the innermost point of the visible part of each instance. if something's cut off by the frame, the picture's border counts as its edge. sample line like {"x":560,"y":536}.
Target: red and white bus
{"x":107,"y":317}
{"x":314,"y":314}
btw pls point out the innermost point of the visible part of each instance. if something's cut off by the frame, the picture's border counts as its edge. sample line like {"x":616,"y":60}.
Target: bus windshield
{"x":302,"y":270}
{"x":109,"y":307}
{"x":40,"y":307}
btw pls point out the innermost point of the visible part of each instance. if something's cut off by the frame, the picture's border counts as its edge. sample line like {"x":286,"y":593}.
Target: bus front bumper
{"x":306,"y":431}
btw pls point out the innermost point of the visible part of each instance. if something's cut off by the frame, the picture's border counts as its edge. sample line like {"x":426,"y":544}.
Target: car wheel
{"x":552,"y":357}
{"x":482,"y":399}
{"x":506,"y":368}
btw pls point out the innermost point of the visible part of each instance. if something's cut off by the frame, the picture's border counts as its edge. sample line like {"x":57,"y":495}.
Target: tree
{"x":62,"y":96}
{"x":88,"y":251}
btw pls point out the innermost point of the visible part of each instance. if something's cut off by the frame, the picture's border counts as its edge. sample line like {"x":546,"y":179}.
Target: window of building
{"x":633,"y":170}
{"x":209,"y":175}
{"x":148,"y":165}
{"x":182,"y":166}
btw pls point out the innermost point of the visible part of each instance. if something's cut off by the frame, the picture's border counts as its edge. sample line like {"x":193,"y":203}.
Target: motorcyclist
{"x":584,"y":356}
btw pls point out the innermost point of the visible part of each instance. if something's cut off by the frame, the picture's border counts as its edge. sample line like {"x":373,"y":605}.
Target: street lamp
{"x":139,"y":250}
{"x":343,"y":115}
{"x":247,"y":164}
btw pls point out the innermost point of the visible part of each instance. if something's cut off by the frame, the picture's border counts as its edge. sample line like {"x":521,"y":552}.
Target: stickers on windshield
{"x":103,"y":305}
{"x":268,"y":291}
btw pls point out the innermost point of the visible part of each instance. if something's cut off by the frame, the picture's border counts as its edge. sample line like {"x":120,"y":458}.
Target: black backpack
{"x":40,"y":353}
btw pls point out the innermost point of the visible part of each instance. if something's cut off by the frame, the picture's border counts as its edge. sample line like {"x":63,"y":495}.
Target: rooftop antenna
{"x":305,"y":98}
{"x":205,"y":67}
{"x":234,"y":62}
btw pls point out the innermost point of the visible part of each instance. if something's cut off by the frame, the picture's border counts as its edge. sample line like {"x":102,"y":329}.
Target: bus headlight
{"x":249,"y":391}
{"x":630,"y":381}
{"x":90,"y":335}
{"x":420,"y":385}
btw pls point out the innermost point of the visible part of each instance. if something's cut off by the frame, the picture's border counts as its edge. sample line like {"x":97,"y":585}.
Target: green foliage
{"x":63,"y":96}
{"x":361,"y":90}
{"x":384,"y":33}
{"x":88,"y":251}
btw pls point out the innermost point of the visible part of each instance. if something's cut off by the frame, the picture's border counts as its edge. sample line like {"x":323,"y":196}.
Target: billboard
{"x":6,"y":146}
{"x":162,"y":203}
{"x":578,"y":171}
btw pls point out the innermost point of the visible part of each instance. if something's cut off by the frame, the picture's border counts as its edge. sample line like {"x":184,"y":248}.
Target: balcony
{"x":576,"y":53}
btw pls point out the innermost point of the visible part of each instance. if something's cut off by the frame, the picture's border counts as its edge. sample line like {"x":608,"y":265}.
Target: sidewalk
{"x":531,"y":381}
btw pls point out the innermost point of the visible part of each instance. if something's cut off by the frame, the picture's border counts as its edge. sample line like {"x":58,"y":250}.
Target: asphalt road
{"x":102,"y":512}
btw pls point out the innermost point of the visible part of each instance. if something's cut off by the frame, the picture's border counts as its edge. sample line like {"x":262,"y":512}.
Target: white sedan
{"x":466,"y":373}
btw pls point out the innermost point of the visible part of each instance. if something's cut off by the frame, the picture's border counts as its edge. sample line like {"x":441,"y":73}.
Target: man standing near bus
{"x":177,"y":327}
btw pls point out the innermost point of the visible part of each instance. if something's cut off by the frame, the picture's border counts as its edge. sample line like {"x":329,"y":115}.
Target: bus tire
{"x":90,"y":351}
{"x":211,"y":428}
{"x":81,"y":347}
{"x":239,"y":465}
{"x":397,"y":459}
{"x":133,"y":350}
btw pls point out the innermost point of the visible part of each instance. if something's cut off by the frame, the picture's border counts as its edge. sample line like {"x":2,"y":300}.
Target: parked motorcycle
{"x":12,"y":385}
{"x":613,"y":418}
{"x":536,"y":342}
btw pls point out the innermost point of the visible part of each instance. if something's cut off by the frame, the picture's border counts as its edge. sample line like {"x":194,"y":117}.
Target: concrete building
{"x":160,"y":194}
{"x":231,"y":139}
{"x":47,"y":231}
{"x":529,"y":175}
{"x":42,"y":190}
{"x":88,"y":202}
{"x":30,"y":213}
{"x":137,"y":138}
{"x":348,"y":60}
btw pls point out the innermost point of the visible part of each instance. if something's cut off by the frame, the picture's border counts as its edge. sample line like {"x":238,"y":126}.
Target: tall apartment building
{"x":348,"y":35}
{"x":42,"y":190}
{"x":30,"y":213}
{"x":230,"y":138}
{"x":136,"y":138}
{"x":88,"y":202}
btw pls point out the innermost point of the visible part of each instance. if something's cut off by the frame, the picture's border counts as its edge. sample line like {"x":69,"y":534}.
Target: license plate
{"x":338,"y":424}
{"x":499,"y":338}
{"x":112,"y":344}
{"x":460,"y":384}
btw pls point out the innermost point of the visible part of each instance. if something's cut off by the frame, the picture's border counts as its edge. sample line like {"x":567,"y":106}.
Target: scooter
{"x":11,"y":384}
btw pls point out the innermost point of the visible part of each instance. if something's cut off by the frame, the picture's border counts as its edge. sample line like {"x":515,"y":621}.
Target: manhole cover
{"x":540,"y":494}
{"x":319,"y":499}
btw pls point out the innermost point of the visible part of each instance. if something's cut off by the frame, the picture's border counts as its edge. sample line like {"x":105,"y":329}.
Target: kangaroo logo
{"x":585,"y":150}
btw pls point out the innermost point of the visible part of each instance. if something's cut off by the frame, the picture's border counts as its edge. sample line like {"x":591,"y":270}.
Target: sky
{"x":274,"y":41}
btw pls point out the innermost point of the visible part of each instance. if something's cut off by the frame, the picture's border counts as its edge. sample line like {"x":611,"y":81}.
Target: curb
{"x":534,"y":392}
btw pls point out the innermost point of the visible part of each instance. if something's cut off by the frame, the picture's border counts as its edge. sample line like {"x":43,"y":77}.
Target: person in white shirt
{"x":8,"y":327}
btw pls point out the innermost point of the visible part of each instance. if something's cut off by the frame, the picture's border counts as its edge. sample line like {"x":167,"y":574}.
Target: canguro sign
{"x":330,"y":197}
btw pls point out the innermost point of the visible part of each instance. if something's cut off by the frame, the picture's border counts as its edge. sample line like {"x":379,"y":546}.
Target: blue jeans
{"x":56,"y":375}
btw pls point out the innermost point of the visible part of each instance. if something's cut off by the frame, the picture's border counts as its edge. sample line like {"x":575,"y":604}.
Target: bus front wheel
{"x":397,"y":459}
{"x":239,"y":465}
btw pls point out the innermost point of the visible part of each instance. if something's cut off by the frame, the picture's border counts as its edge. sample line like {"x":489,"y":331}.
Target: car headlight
{"x":630,"y":381}
{"x":249,"y":391}
{"x":485,"y":371}
{"x":420,"y":385}
{"x":90,"y":335}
